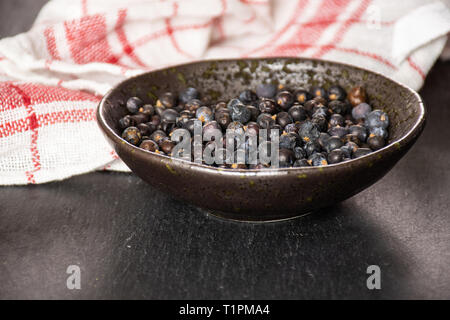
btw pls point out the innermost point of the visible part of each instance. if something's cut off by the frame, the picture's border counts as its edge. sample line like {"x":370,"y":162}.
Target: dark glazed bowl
{"x":270,"y":194}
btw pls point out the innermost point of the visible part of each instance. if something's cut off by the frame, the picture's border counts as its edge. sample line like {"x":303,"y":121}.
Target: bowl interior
{"x":222,"y":80}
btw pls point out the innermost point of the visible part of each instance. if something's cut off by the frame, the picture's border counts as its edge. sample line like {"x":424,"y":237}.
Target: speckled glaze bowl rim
{"x":267,"y":171}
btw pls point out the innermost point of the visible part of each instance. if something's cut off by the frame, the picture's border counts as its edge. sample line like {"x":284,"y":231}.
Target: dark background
{"x":132,"y":241}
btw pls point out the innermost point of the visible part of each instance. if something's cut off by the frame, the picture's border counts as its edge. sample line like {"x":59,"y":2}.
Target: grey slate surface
{"x":132,"y":241}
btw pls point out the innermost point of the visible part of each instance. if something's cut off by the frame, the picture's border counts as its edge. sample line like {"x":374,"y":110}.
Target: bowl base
{"x":227,"y":216}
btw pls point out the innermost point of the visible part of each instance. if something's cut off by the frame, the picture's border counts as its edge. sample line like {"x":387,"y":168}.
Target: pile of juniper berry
{"x":316,"y":127}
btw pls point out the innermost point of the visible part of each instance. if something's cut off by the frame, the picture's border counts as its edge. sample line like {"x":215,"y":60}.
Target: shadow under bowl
{"x":270,"y":194}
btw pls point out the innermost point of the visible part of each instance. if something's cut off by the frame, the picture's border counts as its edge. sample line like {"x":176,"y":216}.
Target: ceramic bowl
{"x":270,"y":194}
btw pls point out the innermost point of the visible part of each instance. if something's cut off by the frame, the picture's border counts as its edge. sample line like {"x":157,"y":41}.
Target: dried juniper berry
{"x":323,"y":138}
{"x":320,"y":110}
{"x":318,"y":160}
{"x":183,"y":118}
{"x":133,"y":104}
{"x":223,"y":119}
{"x":149,"y":145}
{"x":221,"y":106}
{"x":193,"y":105}
{"x":254,"y":112}
{"x":204,"y":114}
{"x":247,"y":96}
{"x":376,"y":142}
{"x":277,"y":127}
{"x":297,"y":113}
{"x":347,"y":151}
{"x":179,"y":108}
{"x":312,"y":147}
{"x":158,"y":136}
{"x":285,"y":100}
{"x":155,"y":120}
{"x":159,"y":108}
{"x":145,"y":129}
{"x":319,"y":92}
{"x":211,"y":128}
{"x":292,"y":127}
{"x":283,"y":119}
{"x":167,"y":145}
{"x":139,"y":118}
{"x":320,"y":100}
{"x":353,"y":146}
{"x":352,"y":138}
{"x":286,"y":158}
{"x":357,"y":96}
{"x":236,"y":127}
{"x":302,"y":96}
{"x":377,"y":118}
{"x":320,"y":121}
{"x":333,"y":143}
{"x":336,"y":93}
{"x":188,"y":94}
{"x":266,"y":90}
{"x":267,"y":106}
{"x":147,"y":109}
{"x":126,"y":122}
{"x":308,"y":131}
{"x":379,"y":131}
{"x":169,"y":116}
{"x":166,"y":126}
{"x":338,"y":131}
{"x":301,"y":163}
{"x":232,"y":103}
{"x":359,"y":131}
{"x":299,"y":153}
{"x":361,"y":111}
{"x":338,"y":106}
{"x":309,"y":106}
{"x":335,"y":156}
{"x":252,"y":128}
{"x":336,"y":120}
{"x":240,"y":113}
{"x":349,"y":120}
{"x":168,"y":100}
{"x":265,"y":121}
{"x":132,"y":135}
{"x":289,"y":140}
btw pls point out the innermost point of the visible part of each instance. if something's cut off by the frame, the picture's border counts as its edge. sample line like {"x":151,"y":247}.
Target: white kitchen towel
{"x":52,"y":77}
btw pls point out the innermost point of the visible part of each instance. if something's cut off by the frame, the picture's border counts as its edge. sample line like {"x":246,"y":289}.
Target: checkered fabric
{"x":52,"y":77}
